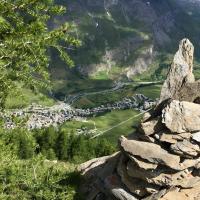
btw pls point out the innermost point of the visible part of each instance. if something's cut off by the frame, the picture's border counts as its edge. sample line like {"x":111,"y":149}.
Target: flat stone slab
{"x":150,"y":152}
{"x":183,"y":194}
{"x":185,"y":148}
{"x":184,"y":178}
{"x":167,"y":136}
{"x":99,"y":166}
{"x":143,"y":164}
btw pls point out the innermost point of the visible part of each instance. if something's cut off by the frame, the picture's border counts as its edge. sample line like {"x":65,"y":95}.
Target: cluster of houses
{"x":37,"y":116}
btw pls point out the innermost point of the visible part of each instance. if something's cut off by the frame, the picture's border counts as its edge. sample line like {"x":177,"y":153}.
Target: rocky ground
{"x":37,"y":117}
{"x":161,"y":160}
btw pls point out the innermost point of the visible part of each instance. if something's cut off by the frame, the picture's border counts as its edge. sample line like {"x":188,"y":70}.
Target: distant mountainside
{"x":124,"y":38}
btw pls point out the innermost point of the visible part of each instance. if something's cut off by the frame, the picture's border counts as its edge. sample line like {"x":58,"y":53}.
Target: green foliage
{"x":56,"y":145}
{"x":152,"y":90}
{"x":23,"y":97}
{"x":106,"y":122}
{"x":25,"y":173}
{"x":36,"y":178}
{"x":25,"y":40}
{"x":59,"y":144}
{"x":22,"y":142}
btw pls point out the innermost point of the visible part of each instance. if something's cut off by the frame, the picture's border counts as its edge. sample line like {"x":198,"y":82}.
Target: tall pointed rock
{"x":180,"y":72}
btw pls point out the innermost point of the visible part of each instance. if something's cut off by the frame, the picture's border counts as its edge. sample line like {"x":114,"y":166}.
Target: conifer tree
{"x":25,"y":40}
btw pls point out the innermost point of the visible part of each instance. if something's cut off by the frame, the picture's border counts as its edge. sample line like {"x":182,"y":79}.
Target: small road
{"x":71,"y":99}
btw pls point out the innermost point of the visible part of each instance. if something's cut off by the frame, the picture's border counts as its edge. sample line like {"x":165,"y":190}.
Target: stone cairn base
{"x":162,"y":159}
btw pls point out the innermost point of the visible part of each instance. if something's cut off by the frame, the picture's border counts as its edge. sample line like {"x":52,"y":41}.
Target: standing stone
{"x":180,"y":71}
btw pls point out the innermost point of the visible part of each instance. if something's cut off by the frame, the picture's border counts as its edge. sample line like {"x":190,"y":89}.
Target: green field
{"x":150,"y":90}
{"x":106,"y":122}
{"x":24,"y":97}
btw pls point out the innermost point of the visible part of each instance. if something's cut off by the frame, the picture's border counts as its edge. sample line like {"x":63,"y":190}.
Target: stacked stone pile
{"x":161,"y":161}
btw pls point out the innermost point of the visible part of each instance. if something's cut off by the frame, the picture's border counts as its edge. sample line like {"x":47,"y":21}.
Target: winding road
{"x":71,"y":99}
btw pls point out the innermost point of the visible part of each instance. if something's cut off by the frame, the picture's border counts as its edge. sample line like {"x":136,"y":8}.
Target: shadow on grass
{"x":74,"y":180}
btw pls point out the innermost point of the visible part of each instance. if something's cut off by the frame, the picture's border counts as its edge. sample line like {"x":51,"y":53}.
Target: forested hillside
{"x":123,"y":40}
{"x":128,"y":37}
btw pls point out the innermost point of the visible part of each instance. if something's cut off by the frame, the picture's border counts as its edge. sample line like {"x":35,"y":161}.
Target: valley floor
{"x":50,"y":156}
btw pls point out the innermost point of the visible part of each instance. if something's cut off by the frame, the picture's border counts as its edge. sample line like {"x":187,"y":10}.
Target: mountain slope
{"x":128,"y":36}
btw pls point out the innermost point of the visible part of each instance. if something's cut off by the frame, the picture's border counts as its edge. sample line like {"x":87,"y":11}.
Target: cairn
{"x":161,"y":161}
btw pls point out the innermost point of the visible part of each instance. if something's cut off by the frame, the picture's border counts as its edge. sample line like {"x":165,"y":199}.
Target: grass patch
{"x":93,"y":100}
{"x":24,"y":97}
{"x":62,"y":88}
{"x":152,"y":91}
{"x":101,"y":75}
{"x":105,"y":122}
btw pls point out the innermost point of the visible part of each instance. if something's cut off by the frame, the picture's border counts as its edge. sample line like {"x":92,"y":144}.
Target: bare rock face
{"x":182,"y":117}
{"x":161,"y":161}
{"x":151,"y":126}
{"x":190,"y":92}
{"x":180,"y":71}
{"x":196,"y":136}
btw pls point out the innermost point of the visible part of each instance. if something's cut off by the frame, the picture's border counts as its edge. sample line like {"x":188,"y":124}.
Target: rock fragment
{"x":185,"y":148}
{"x":196,"y":136}
{"x":172,"y":138}
{"x":150,"y":152}
{"x":151,"y":127}
{"x":181,"y":117}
